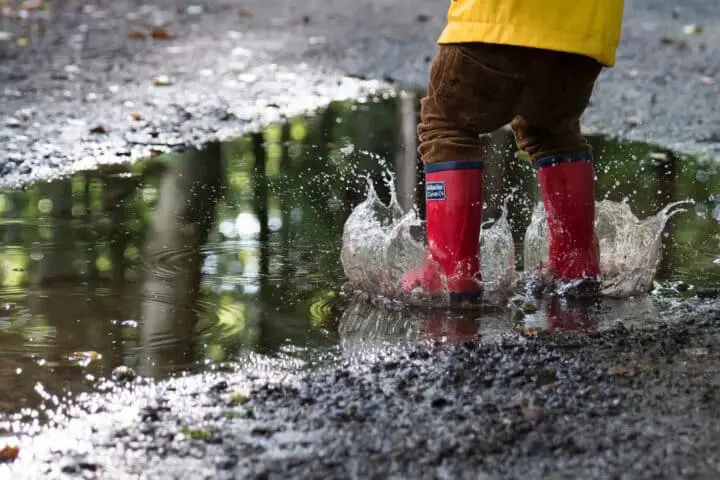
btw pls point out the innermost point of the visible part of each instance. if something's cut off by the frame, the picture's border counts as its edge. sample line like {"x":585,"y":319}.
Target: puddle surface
{"x":184,"y":262}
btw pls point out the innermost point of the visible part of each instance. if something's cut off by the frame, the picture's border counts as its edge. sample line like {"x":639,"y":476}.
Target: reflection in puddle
{"x":364,"y":324}
{"x":184,"y":262}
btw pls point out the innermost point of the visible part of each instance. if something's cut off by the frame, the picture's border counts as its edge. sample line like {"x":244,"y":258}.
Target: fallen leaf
{"x":161,"y":34}
{"x":21,"y":42}
{"x":136,"y":116}
{"x":238,"y":399}
{"x":243,"y":13}
{"x":621,"y":371}
{"x":9,"y":453}
{"x":136,"y":35}
{"x":98,"y":129}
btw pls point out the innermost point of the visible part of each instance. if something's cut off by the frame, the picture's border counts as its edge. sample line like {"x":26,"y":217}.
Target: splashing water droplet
{"x":630,"y":249}
{"x":381,"y":242}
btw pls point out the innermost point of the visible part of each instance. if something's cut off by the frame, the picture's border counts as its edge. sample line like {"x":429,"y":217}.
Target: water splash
{"x":381,"y":242}
{"x":630,"y":249}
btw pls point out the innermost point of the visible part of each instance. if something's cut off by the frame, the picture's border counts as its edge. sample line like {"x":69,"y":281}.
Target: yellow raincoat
{"x":586,"y":27}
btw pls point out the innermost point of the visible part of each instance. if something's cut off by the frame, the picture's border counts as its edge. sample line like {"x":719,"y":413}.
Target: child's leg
{"x":465,"y":99}
{"x":548,"y":128}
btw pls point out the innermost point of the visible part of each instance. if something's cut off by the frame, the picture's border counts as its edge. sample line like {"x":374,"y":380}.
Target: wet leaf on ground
{"x":680,"y":44}
{"x":244,"y":13}
{"x":161,"y":34}
{"x":619,"y":371}
{"x":238,"y":399}
{"x":136,"y":35}
{"x":98,"y":129}
{"x":136,"y":116}
{"x":196,"y":433}
{"x":9,"y":453}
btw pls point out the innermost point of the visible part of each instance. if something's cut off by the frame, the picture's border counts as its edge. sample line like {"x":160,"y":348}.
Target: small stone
{"x":221,"y":386}
{"x":546,"y":376}
{"x":659,"y":156}
{"x":633,"y":121}
{"x":692,"y":29}
{"x":123,"y":374}
{"x":439,"y":402}
{"x":161,"y":81}
{"x":13,"y":122}
{"x":532,"y":413}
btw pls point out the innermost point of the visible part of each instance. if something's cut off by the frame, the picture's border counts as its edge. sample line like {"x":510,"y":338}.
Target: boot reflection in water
{"x":446,"y":328}
{"x":575,"y":315}
{"x":480,"y":81}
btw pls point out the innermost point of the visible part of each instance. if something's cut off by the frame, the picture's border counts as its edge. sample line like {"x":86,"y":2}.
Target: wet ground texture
{"x":225,"y":262}
{"x":112,"y":81}
{"x":89,"y":84}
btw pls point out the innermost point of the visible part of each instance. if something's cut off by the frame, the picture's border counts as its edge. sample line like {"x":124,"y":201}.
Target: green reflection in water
{"x":185,"y":260}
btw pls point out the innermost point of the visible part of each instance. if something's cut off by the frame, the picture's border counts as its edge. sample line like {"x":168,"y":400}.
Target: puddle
{"x":183,"y":263}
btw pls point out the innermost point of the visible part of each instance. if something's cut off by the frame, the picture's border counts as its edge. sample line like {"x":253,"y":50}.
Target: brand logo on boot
{"x":435,"y":191}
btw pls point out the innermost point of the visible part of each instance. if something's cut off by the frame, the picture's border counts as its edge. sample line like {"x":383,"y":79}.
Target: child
{"x":533,"y":64}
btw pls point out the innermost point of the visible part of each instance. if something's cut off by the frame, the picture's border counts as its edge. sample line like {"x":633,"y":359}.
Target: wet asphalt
{"x":82,"y":92}
{"x":624,"y":403}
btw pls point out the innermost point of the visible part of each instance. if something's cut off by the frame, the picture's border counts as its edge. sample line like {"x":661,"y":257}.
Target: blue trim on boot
{"x":454,"y":165}
{"x":581,"y":156}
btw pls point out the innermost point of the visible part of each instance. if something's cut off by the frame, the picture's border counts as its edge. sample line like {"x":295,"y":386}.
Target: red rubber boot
{"x":454,"y":205}
{"x":567,"y":185}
